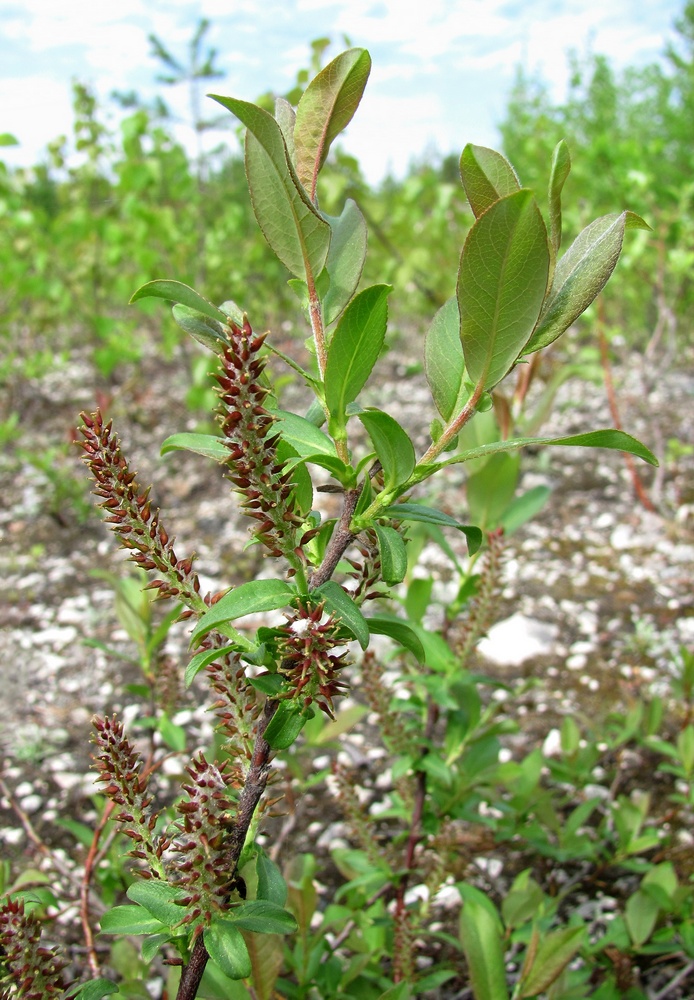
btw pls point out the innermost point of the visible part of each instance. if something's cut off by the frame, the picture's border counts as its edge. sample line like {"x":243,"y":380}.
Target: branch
{"x":252,"y":792}
{"x":341,"y":538}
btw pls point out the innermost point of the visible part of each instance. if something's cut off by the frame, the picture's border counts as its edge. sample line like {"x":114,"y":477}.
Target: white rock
{"x":517,"y":639}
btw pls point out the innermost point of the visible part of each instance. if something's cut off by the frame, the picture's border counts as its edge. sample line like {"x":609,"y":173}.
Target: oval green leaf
{"x":285,"y":725}
{"x":581,"y":274}
{"x":176,"y":291}
{"x":399,"y":631}
{"x":486,"y":176}
{"x":325,"y":109}
{"x":227,"y":949}
{"x":481,"y":941}
{"x":553,"y":955}
{"x":392,"y":552}
{"x":302,"y":435}
{"x":202,"y":444}
{"x":249,"y":598}
{"x":293,"y":227}
{"x":354,"y":348}
{"x":202,"y":660}
{"x":429,"y":515}
{"x":393,"y":447}
{"x":501,"y":286}
{"x":609,"y":438}
{"x":341,"y":605}
{"x":345,"y":260}
{"x":262,"y":917}
{"x":159,"y":898}
{"x":207,"y":331}
{"x":561,"y":166}
{"x":130,"y":920}
{"x":444,"y":362}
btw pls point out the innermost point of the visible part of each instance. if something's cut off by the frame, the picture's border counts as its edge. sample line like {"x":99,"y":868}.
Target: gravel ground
{"x":597,"y":596}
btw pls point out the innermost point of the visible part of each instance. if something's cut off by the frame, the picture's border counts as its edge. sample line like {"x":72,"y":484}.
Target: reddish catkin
{"x":251,"y":435}
{"x":130,"y":516}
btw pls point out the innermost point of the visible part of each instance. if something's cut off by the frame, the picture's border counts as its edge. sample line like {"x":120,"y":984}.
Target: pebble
{"x":517,"y":639}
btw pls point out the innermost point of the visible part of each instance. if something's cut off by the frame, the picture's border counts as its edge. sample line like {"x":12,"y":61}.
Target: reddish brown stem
{"x":415,"y":828}
{"x":639,"y":488}
{"x":252,"y":792}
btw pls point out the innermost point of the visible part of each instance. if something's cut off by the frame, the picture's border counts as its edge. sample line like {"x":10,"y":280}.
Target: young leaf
{"x":444,"y":362}
{"x":393,"y":554}
{"x":490,"y":490}
{"x":581,"y":274}
{"x":271,"y":885}
{"x":207,"y":331}
{"x":486,"y":176}
{"x":203,"y":659}
{"x":354,"y":348}
{"x":393,"y":447}
{"x":176,"y":291}
{"x":202,"y":444}
{"x":285,"y":725}
{"x":302,"y":435}
{"x":553,"y":955}
{"x":159,"y":898}
{"x":429,"y":515}
{"x":340,"y":604}
{"x":609,"y":438}
{"x":501,"y":286}
{"x":285,"y":115}
{"x":262,"y":917}
{"x":246,"y":599}
{"x":226,"y":947}
{"x":345,"y":260}
{"x":561,"y":165}
{"x":325,"y":109}
{"x":95,"y":989}
{"x":481,"y":941}
{"x":398,"y":630}
{"x":295,"y":230}
{"x":130,"y":920}
{"x":524,"y":508}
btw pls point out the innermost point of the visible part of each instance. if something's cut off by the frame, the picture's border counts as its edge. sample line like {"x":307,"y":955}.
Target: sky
{"x":442,"y":69}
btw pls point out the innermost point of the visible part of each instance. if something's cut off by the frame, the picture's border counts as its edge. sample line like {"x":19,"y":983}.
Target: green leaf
{"x":7,"y":139}
{"x":487,"y":176}
{"x":501,"y":286}
{"x":609,"y":438}
{"x":341,"y":605}
{"x":561,"y":165}
{"x":207,"y":331}
{"x":203,"y":659}
{"x":271,"y":885}
{"x":293,"y":227}
{"x":345,"y":260}
{"x":226,"y":947}
{"x":159,"y":898}
{"x":202,"y":444}
{"x":173,"y":735}
{"x":354,"y":348}
{"x":524,"y":508}
{"x":176,"y":291}
{"x":444,"y":362}
{"x":581,"y":274}
{"x":325,"y":109}
{"x":481,"y":941}
{"x":399,"y":992}
{"x":393,"y":553}
{"x":285,"y":115}
{"x":553,"y":955}
{"x":490,"y":490}
{"x":131,"y":920}
{"x":393,"y":447}
{"x":95,"y":989}
{"x":285,"y":725}
{"x":429,"y":515}
{"x":302,"y":435}
{"x":249,"y":598}
{"x":262,"y":917}
{"x":641,"y":915}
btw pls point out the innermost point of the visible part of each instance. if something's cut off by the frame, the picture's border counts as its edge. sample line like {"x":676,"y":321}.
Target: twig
{"x":341,"y":538}
{"x":674,"y":982}
{"x":89,"y":865}
{"x":639,"y":488}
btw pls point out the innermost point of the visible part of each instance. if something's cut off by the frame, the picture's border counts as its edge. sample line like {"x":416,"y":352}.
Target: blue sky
{"x":442,"y":68}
